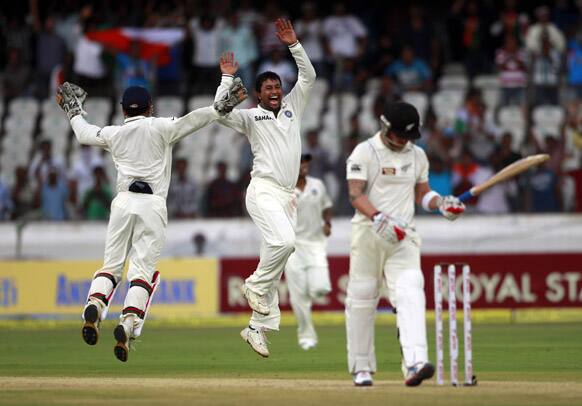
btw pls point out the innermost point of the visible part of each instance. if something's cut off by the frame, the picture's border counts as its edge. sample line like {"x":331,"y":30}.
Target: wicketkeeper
{"x":386,"y":175}
{"x":141,"y":149}
{"x":273,"y":130}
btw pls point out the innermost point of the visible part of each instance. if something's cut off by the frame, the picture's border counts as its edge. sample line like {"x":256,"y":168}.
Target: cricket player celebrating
{"x":141,"y":149}
{"x":386,"y":175}
{"x":307,"y":271}
{"x":273,"y":132}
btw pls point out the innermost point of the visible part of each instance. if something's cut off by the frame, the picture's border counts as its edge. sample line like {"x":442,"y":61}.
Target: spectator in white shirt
{"x":345,"y":33}
{"x":309,"y":30}
{"x":240,"y":36}
{"x":205,"y":38}
{"x":544,"y":28}
{"x":282,"y":67}
{"x":545,"y":67}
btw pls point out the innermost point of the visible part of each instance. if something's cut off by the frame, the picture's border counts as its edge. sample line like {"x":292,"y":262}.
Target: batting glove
{"x":388,"y":228}
{"x":451,"y":207}
{"x":235,"y":95}
{"x":70,"y":98}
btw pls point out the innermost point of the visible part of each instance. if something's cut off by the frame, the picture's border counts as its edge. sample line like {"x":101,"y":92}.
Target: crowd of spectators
{"x":534,"y":48}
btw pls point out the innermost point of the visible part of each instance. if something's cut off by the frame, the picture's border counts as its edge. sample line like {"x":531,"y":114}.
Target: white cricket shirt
{"x":311,"y":202}
{"x":391,"y":176}
{"x":275,"y":140}
{"x":141,"y":148}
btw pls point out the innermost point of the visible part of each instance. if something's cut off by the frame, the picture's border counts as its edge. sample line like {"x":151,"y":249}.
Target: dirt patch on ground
{"x":224,"y":391}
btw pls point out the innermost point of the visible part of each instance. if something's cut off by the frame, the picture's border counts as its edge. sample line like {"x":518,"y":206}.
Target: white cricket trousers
{"x":307,"y":275}
{"x":373,"y":261}
{"x":274,"y":211}
{"x":137,"y":228}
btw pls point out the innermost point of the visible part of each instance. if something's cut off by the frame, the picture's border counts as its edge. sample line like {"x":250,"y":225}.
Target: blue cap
{"x":136,"y":98}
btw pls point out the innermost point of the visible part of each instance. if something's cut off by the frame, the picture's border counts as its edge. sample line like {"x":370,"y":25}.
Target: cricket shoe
{"x":256,"y":302}
{"x":257,"y":339}
{"x":363,"y":378}
{"x":90,"y":330}
{"x":418,"y":373}
{"x":124,"y":339}
{"x":307,"y":343}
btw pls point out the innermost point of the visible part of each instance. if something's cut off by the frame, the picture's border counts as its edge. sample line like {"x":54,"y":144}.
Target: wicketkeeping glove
{"x":388,"y":228}
{"x":451,"y":207}
{"x":70,"y":98}
{"x":235,"y":95}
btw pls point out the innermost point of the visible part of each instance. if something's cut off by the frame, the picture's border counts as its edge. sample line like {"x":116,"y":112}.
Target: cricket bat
{"x":506,"y":173}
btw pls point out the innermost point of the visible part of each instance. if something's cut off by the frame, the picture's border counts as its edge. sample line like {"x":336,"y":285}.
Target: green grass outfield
{"x":516,"y":364}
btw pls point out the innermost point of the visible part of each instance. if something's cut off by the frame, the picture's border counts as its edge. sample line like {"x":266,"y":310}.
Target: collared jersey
{"x":311,"y":202}
{"x":275,"y":140}
{"x":391,"y":176}
{"x":141,"y":148}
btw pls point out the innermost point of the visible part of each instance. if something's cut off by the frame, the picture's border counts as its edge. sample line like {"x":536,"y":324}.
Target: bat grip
{"x":465,"y":196}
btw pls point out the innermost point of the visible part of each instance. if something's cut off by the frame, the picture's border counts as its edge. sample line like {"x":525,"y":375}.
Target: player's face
{"x":394,"y":142}
{"x":271,"y":94}
{"x":304,"y":168}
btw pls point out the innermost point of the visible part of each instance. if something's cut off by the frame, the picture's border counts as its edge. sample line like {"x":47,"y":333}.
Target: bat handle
{"x":465,"y":196}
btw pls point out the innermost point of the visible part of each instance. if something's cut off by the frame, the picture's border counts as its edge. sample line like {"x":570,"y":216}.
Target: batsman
{"x":386,"y":175}
{"x":141,"y":149}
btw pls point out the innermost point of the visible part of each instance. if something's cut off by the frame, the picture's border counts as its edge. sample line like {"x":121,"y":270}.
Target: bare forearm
{"x":326,"y":215}
{"x":364,"y":206}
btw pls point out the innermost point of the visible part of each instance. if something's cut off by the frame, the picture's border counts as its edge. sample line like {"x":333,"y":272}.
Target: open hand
{"x":285,"y":32}
{"x":228,"y":65}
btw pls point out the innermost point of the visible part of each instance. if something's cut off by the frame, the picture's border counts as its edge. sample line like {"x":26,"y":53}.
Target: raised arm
{"x":306,"y":78}
{"x":228,"y":95}
{"x":70,"y":98}
{"x":228,"y":66}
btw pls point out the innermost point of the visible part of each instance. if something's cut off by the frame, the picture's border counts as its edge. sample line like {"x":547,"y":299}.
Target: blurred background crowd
{"x":494,"y":80}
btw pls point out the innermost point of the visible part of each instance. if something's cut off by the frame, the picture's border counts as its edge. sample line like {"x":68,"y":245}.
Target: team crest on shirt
{"x":388,"y":171}
{"x":288,"y":113}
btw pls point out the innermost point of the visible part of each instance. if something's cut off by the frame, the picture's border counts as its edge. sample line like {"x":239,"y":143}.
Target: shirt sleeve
{"x":357,"y":164}
{"x":422,"y":175}
{"x":236,"y":119}
{"x":297,"y":97}
{"x":174,"y":129}
{"x":88,"y":134}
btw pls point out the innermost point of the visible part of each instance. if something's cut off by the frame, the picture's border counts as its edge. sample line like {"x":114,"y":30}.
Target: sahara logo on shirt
{"x":355,"y":168}
{"x":261,"y":118}
{"x":388,"y":171}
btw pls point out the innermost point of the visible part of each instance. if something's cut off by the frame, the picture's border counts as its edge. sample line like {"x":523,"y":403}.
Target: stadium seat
{"x":445,"y":104}
{"x":312,"y":113}
{"x":453,"y":82}
{"x":169,"y":106}
{"x":489,"y":86}
{"x":454,"y":69}
{"x":549,"y":117}
{"x":23,"y":106}
{"x":196,"y":102}
{"x":418,"y":100}
{"x":511,"y":119}
{"x":55,"y":122}
{"x":345,"y":105}
{"x":98,"y":110}
{"x":19,"y":124}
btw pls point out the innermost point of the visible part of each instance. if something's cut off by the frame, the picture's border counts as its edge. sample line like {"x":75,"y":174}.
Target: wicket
{"x":470,"y":379}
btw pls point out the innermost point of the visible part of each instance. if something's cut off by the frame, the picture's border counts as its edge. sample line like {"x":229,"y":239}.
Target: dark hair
{"x":265,"y":76}
{"x":136,"y":112}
